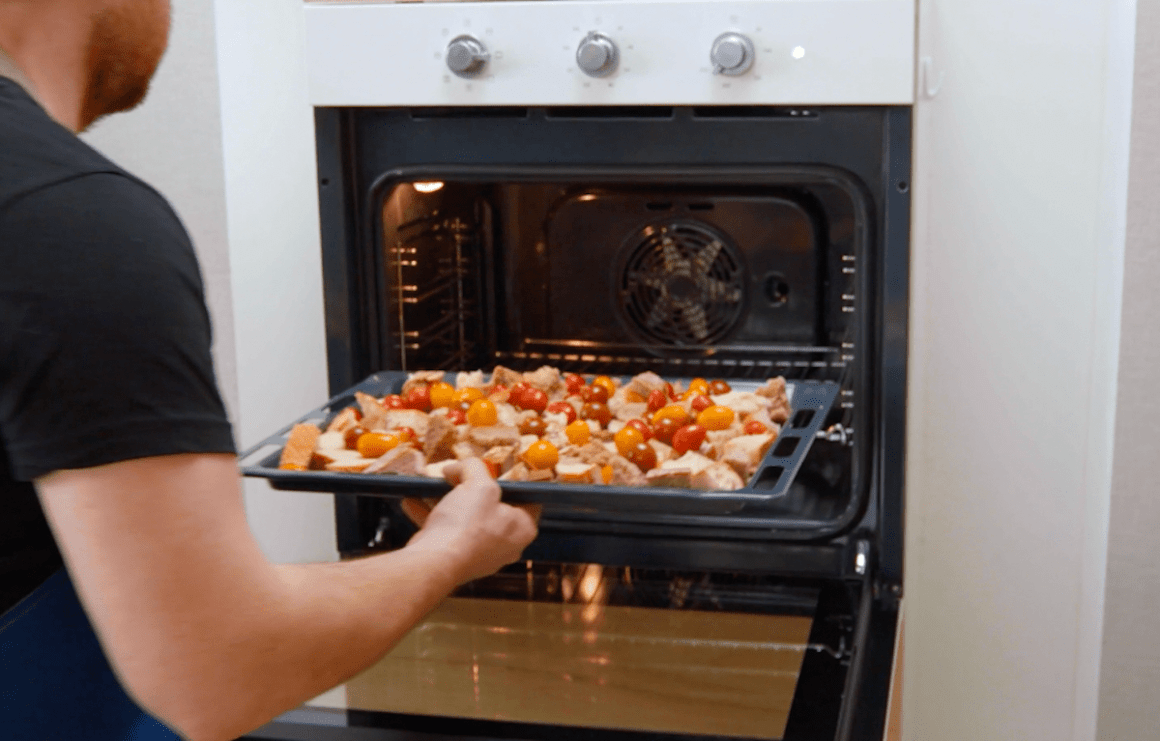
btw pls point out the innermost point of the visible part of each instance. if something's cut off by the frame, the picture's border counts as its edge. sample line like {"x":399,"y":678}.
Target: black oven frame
{"x":872,"y":144}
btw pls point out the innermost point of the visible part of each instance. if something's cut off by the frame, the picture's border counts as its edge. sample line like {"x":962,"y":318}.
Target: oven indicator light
{"x":427,"y":187}
{"x":799,"y":52}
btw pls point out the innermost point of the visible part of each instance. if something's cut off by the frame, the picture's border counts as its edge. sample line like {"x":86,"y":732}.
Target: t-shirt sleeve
{"x":106,"y":333}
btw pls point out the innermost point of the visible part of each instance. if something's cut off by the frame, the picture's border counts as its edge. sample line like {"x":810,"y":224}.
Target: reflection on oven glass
{"x":602,"y":647}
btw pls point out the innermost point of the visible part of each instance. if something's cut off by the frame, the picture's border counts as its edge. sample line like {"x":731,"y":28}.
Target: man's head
{"x":126,"y":44}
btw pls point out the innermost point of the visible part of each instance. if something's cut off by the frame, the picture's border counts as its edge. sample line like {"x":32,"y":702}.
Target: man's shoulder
{"x":37,"y":152}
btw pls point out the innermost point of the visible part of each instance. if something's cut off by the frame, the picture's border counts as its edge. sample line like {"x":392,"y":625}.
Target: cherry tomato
{"x":753,"y":427}
{"x":469,"y":394}
{"x":419,"y":397}
{"x":641,"y":425}
{"x":632,"y":397}
{"x":516,"y":394}
{"x":394,"y":401}
{"x":563,"y":407}
{"x":541,"y":454}
{"x":719,"y":387}
{"x":533,"y":426}
{"x":351,"y":436}
{"x":594,"y":394}
{"x":664,"y":428}
{"x":656,"y":400}
{"x":482,"y":413}
{"x":606,"y":474}
{"x":574,"y":383}
{"x":626,"y":439}
{"x":442,"y":394}
{"x":536,"y":400}
{"x":716,"y":418}
{"x":374,"y":444}
{"x":406,"y":434}
{"x":698,"y":386}
{"x":457,"y":416}
{"x":596,"y":411}
{"x":671,"y":392}
{"x":606,"y":383}
{"x":672,"y":411}
{"x":688,"y":438}
{"x":701,"y":402}
{"x":499,"y":388}
{"x":578,"y":432}
{"x":643,"y":455}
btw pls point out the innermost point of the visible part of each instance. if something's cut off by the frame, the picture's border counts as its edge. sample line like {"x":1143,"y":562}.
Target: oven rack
{"x":810,"y":402}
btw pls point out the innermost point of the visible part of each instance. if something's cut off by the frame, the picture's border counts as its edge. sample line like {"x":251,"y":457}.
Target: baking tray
{"x":810,"y":402}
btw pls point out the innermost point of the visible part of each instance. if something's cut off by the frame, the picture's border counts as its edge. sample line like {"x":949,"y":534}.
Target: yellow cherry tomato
{"x":374,"y":444}
{"x":541,"y":454}
{"x":672,"y":411}
{"x":715,"y":418}
{"x":442,"y":394}
{"x":578,"y":432}
{"x":469,"y":394}
{"x":482,"y":413}
{"x":698,"y":386}
{"x":626,"y":439}
{"x":607,"y":383}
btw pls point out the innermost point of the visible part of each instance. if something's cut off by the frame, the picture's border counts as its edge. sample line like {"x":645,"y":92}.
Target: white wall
{"x":1019,"y":203}
{"x":1130,"y":670}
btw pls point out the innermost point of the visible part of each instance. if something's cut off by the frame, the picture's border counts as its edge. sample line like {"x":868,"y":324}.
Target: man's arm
{"x":204,"y":631}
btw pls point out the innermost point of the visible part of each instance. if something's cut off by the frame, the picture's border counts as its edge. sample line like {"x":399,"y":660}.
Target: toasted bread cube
{"x":441,"y":437}
{"x":717,"y":477}
{"x":676,"y":477}
{"x":343,"y":421}
{"x":645,"y":383}
{"x":299,"y":447}
{"x":577,"y":473}
{"x":502,"y":458}
{"x":745,"y":452}
{"x":374,"y":415}
{"x":625,"y":472}
{"x":402,"y":459}
{"x":418,"y":421}
{"x":466,"y":449}
{"x":421,"y":378}
{"x":518,"y":472}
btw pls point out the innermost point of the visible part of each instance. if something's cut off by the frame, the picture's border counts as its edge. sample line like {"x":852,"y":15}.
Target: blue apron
{"x":54,"y":680}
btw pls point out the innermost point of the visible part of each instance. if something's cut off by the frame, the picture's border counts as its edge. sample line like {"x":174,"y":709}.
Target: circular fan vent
{"x":682,"y":284}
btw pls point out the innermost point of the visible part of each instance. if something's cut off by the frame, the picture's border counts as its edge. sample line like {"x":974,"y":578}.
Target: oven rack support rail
{"x":810,"y":402}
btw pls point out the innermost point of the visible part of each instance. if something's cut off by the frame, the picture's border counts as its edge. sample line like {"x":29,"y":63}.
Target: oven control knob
{"x":732,"y":54}
{"x":597,"y":55}
{"x":467,"y":56}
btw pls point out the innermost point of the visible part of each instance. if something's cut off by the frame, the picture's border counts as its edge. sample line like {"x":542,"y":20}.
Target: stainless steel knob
{"x":597,"y":55}
{"x":732,"y":54}
{"x":466,"y":56}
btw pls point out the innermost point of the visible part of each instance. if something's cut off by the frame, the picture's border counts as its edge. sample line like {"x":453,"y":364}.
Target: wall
{"x":1130,"y":670}
{"x":1019,"y":215}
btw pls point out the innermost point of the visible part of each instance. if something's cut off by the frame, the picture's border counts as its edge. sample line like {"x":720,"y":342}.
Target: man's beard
{"x":128,"y":40}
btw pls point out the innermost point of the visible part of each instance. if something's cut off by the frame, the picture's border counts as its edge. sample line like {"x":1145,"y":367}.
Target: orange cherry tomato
{"x":641,"y":425}
{"x":753,"y":427}
{"x":643,"y":455}
{"x":607,"y":383}
{"x":626,"y":439}
{"x":374,"y":444}
{"x":716,"y":418}
{"x":482,"y":413}
{"x":596,"y":411}
{"x":533,"y":426}
{"x":700,"y":403}
{"x":351,"y":436}
{"x":542,"y":454}
{"x":574,"y":383}
{"x":718,"y":387}
{"x":688,"y":438}
{"x":419,"y":397}
{"x":664,"y":428}
{"x":578,"y":432}
{"x":594,"y":394}
{"x":698,"y":386}
{"x":606,"y":474}
{"x":393,"y":401}
{"x":469,"y":394}
{"x":656,"y":400}
{"x":457,"y":416}
{"x":563,"y":407}
{"x":672,"y":411}
{"x":442,"y":394}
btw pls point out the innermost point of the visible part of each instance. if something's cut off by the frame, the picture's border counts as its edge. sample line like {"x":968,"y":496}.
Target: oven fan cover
{"x":683,"y":283}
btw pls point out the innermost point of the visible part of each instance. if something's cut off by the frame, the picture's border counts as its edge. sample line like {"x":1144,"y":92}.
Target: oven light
{"x":799,"y":52}
{"x":427,"y":187}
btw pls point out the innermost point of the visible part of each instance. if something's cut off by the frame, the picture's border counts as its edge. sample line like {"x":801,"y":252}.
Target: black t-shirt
{"x":104,"y":332}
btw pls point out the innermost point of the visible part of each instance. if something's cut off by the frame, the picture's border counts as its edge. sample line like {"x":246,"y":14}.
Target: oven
{"x":697,"y":189}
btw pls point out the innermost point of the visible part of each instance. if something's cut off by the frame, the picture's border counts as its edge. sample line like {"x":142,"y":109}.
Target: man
{"x":114,"y":434}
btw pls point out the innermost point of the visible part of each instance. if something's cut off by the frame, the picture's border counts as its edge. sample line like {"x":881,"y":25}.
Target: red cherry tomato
{"x":394,"y":401}
{"x":563,"y":407}
{"x":419,"y":397}
{"x":643,"y":455}
{"x":700,"y":403}
{"x":641,"y":425}
{"x":664,"y":428}
{"x":351,"y":436}
{"x":535,"y":400}
{"x":656,"y":400}
{"x":406,"y":434}
{"x":574,"y":382}
{"x":671,"y":392}
{"x":688,"y":438}
{"x":753,"y":427}
{"x":457,"y":416}
{"x":498,"y":388}
{"x":594,"y":394}
{"x":516,"y":394}
{"x":597,"y":411}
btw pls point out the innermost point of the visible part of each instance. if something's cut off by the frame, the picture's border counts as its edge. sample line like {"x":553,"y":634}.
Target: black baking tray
{"x":810,"y":402}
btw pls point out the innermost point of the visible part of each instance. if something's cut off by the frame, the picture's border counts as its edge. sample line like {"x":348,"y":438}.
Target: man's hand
{"x":471,"y":525}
